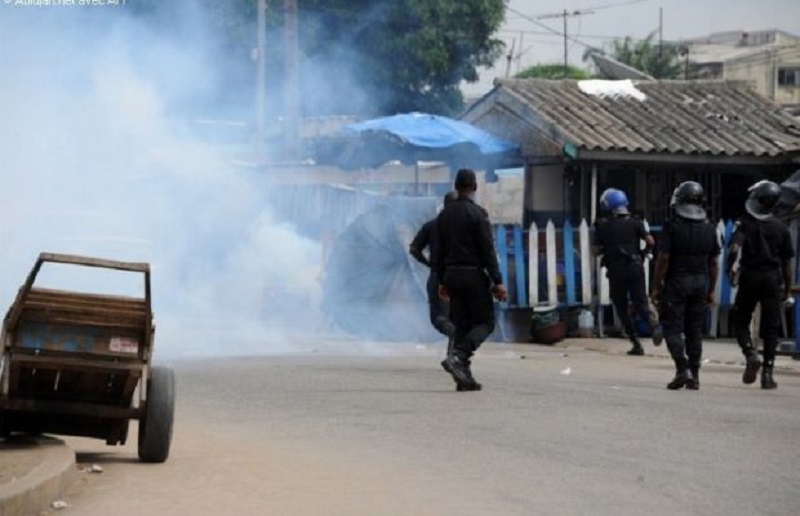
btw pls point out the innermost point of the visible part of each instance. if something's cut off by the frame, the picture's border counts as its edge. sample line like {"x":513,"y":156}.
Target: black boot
{"x":450,"y":344}
{"x":473,"y":385}
{"x":637,"y":350}
{"x":458,"y":367}
{"x":682,"y":378}
{"x":751,"y":366}
{"x":694,"y":383}
{"x":657,"y":331}
{"x":766,"y":378}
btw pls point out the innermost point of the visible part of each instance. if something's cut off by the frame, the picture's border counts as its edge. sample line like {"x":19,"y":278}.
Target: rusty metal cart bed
{"x":72,"y":363}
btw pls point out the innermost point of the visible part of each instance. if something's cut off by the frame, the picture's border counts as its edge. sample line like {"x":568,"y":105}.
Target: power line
{"x":617,"y":4}
{"x":563,"y":34}
{"x":564,"y":15}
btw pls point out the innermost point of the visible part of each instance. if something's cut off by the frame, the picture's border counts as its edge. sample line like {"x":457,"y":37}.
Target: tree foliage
{"x":403,"y":55}
{"x":662,"y":61}
{"x":365,"y":57}
{"x":553,"y":71}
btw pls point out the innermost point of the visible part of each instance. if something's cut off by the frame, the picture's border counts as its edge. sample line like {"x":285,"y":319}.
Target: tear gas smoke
{"x":93,"y":165}
{"x":95,"y":161}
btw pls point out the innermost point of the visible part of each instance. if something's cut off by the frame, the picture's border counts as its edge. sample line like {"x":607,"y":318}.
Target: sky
{"x":534,"y":43}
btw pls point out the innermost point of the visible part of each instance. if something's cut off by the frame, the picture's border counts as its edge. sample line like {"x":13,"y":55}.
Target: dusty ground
{"x":562,"y":431}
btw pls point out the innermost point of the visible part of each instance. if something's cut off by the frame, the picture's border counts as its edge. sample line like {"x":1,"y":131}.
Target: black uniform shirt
{"x":619,"y":239}
{"x":766,"y":244}
{"x":690,"y":244}
{"x":425,"y":237}
{"x":465,"y":239}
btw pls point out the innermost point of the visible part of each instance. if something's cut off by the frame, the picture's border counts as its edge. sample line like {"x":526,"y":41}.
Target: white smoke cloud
{"x":92,"y":164}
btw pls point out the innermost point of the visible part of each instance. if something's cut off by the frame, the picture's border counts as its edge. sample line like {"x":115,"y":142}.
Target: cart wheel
{"x":155,"y":427}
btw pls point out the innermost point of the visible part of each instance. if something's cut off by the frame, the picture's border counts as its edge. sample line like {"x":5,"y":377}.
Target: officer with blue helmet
{"x":764,"y":277}
{"x":618,"y":239}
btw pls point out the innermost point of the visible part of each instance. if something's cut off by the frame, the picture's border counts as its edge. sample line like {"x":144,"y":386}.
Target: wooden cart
{"x":73,"y":363}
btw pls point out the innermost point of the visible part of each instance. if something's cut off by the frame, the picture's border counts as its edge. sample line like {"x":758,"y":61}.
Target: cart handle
{"x":94,"y":262}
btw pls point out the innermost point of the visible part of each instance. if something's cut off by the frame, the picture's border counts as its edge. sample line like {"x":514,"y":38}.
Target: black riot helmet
{"x":688,"y":200}
{"x":764,"y":196}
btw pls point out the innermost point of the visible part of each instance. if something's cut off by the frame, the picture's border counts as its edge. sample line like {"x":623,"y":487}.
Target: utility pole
{"x":509,"y":57}
{"x":660,"y":43}
{"x":291,"y":82}
{"x":564,"y":15}
{"x":261,"y":74}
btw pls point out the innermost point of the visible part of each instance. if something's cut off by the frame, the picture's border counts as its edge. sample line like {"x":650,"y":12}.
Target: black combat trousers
{"x":683,"y":310}
{"x":626,"y":281}
{"x":439,"y":310}
{"x":765,"y":287}
{"x":471,"y":308}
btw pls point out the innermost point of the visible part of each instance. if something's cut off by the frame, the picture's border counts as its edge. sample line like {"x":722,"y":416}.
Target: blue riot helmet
{"x":614,"y":201}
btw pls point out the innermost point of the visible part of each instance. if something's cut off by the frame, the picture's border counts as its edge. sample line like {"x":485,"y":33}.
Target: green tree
{"x":366,"y":57}
{"x":553,"y":71}
{"x":404,"y":54}
{"x":662,"y":61}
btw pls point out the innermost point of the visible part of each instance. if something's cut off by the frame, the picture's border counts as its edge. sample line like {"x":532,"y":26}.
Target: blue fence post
{"x":569,"y":263}
{"x":725,"y":295}
{"x":502,"y":251}
{"x":519,"y":267}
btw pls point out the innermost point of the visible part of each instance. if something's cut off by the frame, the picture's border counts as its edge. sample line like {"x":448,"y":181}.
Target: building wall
{"x":761,"y":71}
{"x":504,"y":199}
{"x":544,"y":193}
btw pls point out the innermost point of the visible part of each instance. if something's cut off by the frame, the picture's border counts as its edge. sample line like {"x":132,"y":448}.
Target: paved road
{"x":386,"y":434}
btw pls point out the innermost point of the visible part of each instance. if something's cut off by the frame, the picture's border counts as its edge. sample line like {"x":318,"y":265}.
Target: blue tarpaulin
{"x":435,"y":132}
{"x":413,"y":137}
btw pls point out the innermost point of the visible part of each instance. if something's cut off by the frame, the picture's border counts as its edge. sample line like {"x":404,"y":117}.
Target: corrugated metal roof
{"x":694,"y":117}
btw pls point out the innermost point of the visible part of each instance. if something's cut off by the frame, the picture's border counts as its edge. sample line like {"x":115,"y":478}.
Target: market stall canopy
{"x":371,"y":286}
{"x":413,"y":137}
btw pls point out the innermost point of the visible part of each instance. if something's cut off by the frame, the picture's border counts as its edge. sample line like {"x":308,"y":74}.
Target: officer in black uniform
{"x":466,"y":263}
{"x":618,"y":239}
{"x":764,"y":277}
{"x":439,"y":310}
{"x":686,"y":268}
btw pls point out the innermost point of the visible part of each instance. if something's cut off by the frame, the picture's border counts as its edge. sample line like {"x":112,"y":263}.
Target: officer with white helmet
{"x":684,"y":280}
{"x":764,"y":277}
{"x":618,"y":239}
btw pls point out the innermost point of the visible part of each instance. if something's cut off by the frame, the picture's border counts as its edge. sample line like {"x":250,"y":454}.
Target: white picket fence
{"x":542,"y":274}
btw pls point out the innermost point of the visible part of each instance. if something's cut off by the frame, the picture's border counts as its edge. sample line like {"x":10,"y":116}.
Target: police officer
{"x":618,"y":239}
{"x":439,"y":311}
{"x":764,"y":277}
{"x":466,"y":263}
{"x":685,"y":277}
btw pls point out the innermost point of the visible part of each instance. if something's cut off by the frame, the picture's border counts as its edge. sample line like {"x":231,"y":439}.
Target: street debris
{"x":616,"y":387}
{"x":59,"y":504}
{"x":94,"y":468}
{"x":566,"y":371}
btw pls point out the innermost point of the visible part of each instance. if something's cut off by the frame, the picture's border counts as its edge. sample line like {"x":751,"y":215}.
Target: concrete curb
{"x":44,"y":483}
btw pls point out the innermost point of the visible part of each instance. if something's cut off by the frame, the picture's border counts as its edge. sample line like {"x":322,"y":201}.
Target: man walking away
{"x":764,"y":277}
{"x":618,"y":239}
{"x":466,"y":263}
{"x":439,"y":310}
{"x":687,"y":267}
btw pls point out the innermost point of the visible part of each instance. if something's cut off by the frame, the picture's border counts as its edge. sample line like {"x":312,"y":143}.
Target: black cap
{"x":465,"y":179}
